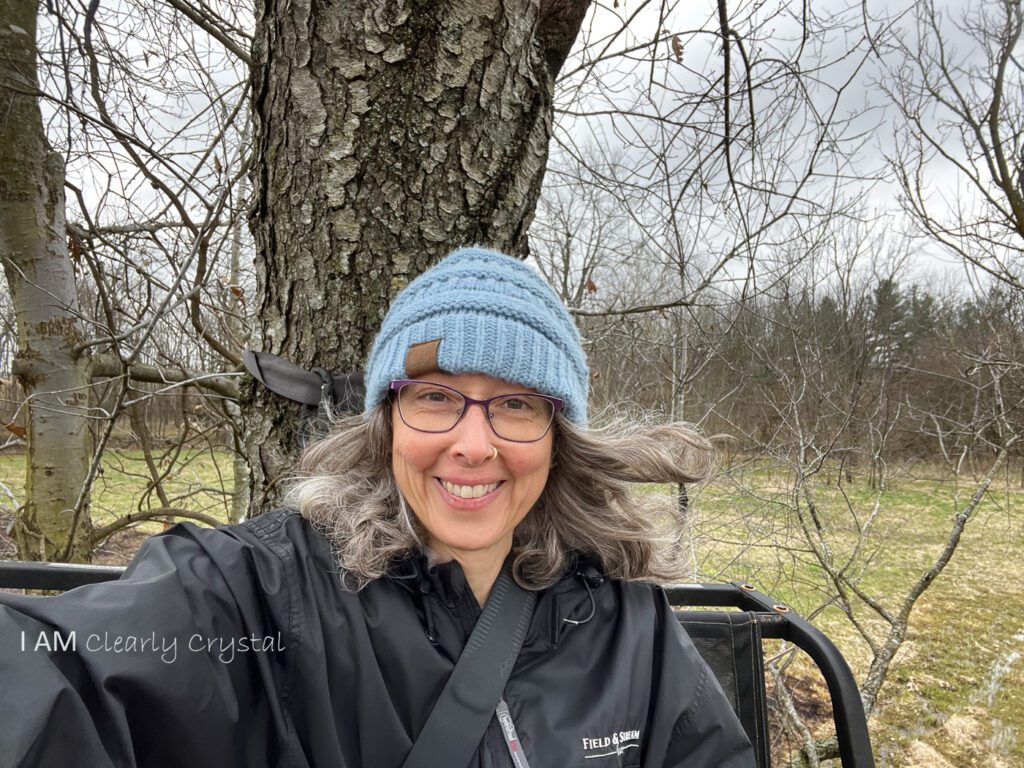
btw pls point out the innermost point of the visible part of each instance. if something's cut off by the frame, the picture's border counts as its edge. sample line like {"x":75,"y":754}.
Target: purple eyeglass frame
{"x":556,"y":406}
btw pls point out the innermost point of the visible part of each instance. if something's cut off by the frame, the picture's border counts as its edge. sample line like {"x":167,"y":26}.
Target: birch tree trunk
{"x":387,"y":134}
{"x":41,"y":280}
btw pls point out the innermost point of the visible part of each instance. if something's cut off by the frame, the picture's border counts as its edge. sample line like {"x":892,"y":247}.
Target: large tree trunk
{"x":33,"y":247}
{"x":387,"y":134}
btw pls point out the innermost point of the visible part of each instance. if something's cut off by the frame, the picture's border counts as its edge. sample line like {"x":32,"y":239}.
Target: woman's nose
{"x":473,"y":437}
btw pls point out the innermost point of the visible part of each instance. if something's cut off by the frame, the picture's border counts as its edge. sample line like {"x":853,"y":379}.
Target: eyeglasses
{"x":519,"y":417}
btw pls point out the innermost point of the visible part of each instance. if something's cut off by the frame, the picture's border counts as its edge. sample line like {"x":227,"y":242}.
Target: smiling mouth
{"x":468,"y":491}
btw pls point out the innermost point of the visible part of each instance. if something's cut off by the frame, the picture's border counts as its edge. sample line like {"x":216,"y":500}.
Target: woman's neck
{"x":480,"y":567}
{"x":481,"y":578}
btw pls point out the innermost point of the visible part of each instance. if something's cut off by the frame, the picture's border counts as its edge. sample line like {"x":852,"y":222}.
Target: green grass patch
{"x":196,"y":480}
{"x":956,"y":688}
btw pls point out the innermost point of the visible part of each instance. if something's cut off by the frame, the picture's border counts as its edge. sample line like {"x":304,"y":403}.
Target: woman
{"x":325,"y":636}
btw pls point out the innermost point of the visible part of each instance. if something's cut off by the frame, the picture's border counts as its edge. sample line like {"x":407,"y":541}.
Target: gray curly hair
{"x":344,"y":485}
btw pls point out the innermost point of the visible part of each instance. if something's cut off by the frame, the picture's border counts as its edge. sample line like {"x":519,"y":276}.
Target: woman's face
{"x":429,"y":466}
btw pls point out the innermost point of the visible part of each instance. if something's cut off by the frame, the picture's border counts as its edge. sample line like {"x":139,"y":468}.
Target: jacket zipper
{"x":496,"y":745}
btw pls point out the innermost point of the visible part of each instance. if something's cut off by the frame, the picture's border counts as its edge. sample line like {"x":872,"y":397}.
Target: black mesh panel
{"x":730,"y":643}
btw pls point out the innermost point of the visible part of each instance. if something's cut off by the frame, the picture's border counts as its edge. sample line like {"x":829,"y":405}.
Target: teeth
{"x":468,"y":491}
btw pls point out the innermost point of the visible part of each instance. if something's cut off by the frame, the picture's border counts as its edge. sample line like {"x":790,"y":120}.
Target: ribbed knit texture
{"x":494,"y":315}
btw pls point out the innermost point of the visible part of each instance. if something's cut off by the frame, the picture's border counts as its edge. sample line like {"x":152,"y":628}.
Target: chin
{"x":468,"y":541}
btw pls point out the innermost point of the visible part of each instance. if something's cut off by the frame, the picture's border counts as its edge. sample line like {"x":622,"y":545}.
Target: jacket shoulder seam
{"x":267,"y":528}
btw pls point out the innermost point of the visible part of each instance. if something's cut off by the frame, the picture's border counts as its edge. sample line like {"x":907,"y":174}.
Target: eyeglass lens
{"x":437,"y":408}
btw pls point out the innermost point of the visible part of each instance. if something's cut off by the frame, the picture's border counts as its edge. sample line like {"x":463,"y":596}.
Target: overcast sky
{"x":771,"y":31}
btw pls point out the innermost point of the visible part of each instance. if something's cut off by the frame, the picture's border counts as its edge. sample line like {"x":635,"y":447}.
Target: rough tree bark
{"x":387,"y":134}
{"x":41,"y":280}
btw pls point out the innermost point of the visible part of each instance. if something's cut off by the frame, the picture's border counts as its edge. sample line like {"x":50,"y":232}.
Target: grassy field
{"x":199,"y":481}
{"x":955,"y":693}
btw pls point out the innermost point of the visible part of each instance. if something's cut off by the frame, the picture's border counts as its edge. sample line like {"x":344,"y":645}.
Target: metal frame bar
{"x":16,"y":574}
{"x":780,"y":622}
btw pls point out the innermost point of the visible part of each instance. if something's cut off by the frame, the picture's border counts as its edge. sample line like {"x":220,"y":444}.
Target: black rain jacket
{"x":240,"y":647}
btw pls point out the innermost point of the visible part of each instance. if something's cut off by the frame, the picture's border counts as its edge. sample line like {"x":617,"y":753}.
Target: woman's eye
{"x":515,"y":404}
{"x":436,"y":396}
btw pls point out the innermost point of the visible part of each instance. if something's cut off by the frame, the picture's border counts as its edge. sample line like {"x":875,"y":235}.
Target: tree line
{"x":894,"y":371}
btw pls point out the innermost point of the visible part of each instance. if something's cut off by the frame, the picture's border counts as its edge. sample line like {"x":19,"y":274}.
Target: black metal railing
{"x":779,"y":621}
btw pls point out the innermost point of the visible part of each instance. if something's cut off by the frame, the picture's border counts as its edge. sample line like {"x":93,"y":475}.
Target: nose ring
{"x":493,"y":455}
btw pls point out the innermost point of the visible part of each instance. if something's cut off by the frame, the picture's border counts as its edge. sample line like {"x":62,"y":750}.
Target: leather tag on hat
{"x":422,"y":358}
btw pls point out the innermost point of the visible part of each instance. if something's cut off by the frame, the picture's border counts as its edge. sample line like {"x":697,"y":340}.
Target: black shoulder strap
{"x":320,"y":392}
{"x":307,"y":387}
{"x":462,"y":712}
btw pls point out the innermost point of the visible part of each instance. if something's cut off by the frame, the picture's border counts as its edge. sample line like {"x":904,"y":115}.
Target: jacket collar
{"x":442,"y":590}
{"x":415,"y":573}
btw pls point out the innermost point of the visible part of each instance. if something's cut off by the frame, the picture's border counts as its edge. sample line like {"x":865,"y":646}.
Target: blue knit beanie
{"x":478,"y":311}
